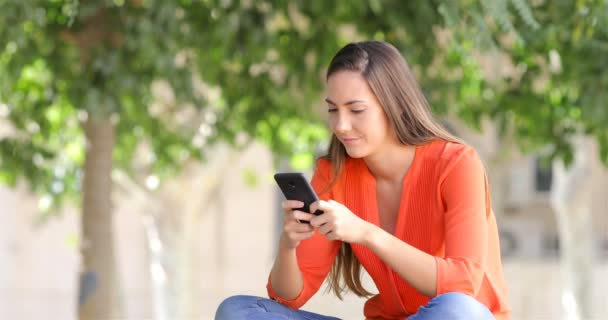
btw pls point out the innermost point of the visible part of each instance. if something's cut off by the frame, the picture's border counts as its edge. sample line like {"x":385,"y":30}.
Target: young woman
{"x":401,"y":196}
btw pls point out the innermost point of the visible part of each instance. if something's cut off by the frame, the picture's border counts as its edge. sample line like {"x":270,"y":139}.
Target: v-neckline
{"x":373,"y":214}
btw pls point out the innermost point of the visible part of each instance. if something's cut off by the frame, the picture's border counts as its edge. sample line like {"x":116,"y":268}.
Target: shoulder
{"x":322,"y":172}
{"x":324,"y":182}
{"x":321,"y":178}
{"x":453,"y":156}
{"x":443,"y":156}
{"x":323,"y":165}
{"x":447,"y":150}
{"x":445,"y":153}
{"x":458,"y":152}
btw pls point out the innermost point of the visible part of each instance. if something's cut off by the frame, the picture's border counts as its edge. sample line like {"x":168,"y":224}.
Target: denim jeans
{"x":448,"y":306}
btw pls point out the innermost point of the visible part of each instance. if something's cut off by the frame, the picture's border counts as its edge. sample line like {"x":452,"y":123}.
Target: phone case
{"x":295,"y":187}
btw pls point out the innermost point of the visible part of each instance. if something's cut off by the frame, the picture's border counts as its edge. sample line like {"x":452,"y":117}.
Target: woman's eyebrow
{"x":347,"y":103}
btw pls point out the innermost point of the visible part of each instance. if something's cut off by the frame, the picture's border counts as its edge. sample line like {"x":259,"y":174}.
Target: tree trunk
{"x":185,"y":202}
{"x":158,"y":273}
{"x":98,"y":298}
{"x":188,"y":279}
{"x":174,"y":274}
{"x":170,"y":217}
{"x":571,"y":200}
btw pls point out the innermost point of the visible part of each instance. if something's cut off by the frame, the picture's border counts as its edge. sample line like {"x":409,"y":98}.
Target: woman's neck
{"x":391,"y":164}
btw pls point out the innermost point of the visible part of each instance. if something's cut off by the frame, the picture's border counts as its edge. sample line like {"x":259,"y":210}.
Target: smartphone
{"x":295,"y":187}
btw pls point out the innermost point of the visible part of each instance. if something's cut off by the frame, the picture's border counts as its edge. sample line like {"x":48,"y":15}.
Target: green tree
{"x":77,"y":91}
{"x":557,"y":89}
{"x":83,"y":84}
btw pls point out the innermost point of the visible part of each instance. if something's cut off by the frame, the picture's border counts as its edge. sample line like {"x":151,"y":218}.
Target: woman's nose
{"x":342,"y":124}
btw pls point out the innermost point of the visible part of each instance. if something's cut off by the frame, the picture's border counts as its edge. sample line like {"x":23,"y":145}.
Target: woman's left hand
{"x":339,"y":223}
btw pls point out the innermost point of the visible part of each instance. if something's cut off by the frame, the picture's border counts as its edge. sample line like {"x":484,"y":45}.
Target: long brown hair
{"x":408,"y":112}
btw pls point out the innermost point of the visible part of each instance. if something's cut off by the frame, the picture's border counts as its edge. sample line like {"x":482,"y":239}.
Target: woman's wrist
{"x":284,"y":245}
{"x":370,"y":236}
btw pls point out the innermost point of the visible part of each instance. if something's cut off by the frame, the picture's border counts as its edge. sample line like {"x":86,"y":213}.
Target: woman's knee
{"x":233,"y":306}
{"x":454,"y":305}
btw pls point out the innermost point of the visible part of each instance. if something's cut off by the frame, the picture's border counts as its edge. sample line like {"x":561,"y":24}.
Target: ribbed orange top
{"x":445,"y":211}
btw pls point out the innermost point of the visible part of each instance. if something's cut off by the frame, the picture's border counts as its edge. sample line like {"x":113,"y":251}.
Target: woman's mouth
{"x":349,"y":140}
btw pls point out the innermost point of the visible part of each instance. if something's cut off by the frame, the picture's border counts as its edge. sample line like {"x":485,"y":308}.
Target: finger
{"x":301,"y":228}
{"x":318,"y":221}
{"x":302,"y":236}
{"x":325,"y":205}
{"x":291,"y":204}
{"x":325,"y":229}
{"x":320,"y":205}
{"x":332,"y":236}
{"x":314,"y":206}
{"x":301,"y":215}
{"x":290,"y":216}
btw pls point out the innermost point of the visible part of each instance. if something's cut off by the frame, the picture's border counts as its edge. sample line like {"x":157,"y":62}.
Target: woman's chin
{"x":356,"y":154}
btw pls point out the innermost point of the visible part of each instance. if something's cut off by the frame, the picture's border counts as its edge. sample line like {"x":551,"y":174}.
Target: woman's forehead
{"x":349,"y":88}
{"x":347,"y":82}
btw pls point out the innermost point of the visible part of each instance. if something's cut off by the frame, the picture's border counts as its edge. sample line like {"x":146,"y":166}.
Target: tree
{"x":87,"y":84}
{"x":78,"y":84}
{"x":554,"y":102}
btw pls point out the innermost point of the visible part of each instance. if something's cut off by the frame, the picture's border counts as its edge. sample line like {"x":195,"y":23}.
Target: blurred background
{"x":138,"y":139}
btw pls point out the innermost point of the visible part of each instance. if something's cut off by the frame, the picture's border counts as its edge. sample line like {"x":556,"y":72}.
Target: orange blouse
{"x":445,"y":211}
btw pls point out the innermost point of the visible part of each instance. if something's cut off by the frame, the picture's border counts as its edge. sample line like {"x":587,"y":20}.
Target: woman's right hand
{"x":295,"y":231}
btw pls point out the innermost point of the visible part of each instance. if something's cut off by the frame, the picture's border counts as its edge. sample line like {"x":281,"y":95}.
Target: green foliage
{"x":561,"y":91}
{"x":556,"y":87}
{"x":235,"y":71}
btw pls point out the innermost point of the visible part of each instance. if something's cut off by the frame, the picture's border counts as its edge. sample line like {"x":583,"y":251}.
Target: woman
{"x":400,"y":195}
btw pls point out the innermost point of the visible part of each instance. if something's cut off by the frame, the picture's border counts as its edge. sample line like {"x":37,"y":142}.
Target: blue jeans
{"x":448,"y":306}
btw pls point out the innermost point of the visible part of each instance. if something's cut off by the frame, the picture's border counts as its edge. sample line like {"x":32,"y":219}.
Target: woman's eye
{"x":357,"y":111}
{"x":330,"y":110}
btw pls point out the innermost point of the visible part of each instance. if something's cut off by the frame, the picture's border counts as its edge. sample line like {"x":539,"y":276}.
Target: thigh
{"x":455,"y":306}
{"x":254,"y":308}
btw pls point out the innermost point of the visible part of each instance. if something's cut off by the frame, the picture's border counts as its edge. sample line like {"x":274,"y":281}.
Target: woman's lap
{"x":454,"y":306}
{"x":254,"y":308}
{"x":446,"y":306}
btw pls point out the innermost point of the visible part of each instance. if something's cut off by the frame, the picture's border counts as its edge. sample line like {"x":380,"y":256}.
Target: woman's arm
{"x":304,"y":258}
{"x":302,"y":263}
{"x":285,"y":276}
{"x":463,"y":192}
{"x":416,"y":267}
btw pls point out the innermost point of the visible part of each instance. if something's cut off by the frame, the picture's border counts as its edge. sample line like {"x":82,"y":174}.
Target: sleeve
{"x":315,"y":255}
{"x":463,"y":192}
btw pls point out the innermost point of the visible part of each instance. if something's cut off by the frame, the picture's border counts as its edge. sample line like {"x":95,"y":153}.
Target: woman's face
{"x":356,"y":116}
